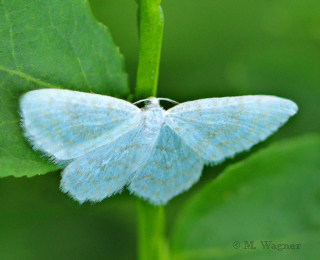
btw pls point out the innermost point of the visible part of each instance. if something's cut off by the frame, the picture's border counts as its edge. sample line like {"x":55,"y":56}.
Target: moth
{"x":107,"y":143}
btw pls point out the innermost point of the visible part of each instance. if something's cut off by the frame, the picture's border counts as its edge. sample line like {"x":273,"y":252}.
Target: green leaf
{"x":49,"y":44}
{"x":274,"y":195}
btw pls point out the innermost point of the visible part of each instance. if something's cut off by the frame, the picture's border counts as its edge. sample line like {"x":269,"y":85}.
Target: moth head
{"x":154,"y":102}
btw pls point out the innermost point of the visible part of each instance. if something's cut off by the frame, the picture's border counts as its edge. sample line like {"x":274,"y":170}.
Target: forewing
{"x":172,"y":167}
{"x":67,"y":124}
{"x":217,"y":128}
{"x":105,"y":171}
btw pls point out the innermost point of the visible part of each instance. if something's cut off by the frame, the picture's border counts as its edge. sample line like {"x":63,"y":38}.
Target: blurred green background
{"x":210,"y":49}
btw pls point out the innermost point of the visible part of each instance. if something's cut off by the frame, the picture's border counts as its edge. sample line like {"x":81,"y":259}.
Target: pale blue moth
{"x":108,"y":143}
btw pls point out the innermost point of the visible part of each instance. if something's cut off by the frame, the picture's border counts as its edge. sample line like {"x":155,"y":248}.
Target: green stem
{"x":150,"y":17}
{"x":151,"y":222}
{"x":151,"y":232}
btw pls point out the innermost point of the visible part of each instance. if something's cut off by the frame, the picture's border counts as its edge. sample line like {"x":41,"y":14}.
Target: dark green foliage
{"x":271,"y":196}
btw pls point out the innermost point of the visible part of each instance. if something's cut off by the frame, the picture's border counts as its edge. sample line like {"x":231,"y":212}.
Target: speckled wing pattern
{"x":106,"y":170}
{"x":68,"y":124}
{"x":171,"y":168}
{"x":110,"y":143}
{"x":218,"y":128}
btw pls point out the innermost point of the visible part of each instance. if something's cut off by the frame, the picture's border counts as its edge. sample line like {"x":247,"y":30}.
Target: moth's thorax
{"x":153,"y":116}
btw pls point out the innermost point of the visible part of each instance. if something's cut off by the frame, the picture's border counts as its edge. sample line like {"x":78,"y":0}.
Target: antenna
{"x":148,"y":99}
{"x":169,"y":100}
{"x":142,"y":100}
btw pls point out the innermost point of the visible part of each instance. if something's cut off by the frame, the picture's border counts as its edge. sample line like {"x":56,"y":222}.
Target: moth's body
{"x":153,"y":117}
{"x":110,"y":143}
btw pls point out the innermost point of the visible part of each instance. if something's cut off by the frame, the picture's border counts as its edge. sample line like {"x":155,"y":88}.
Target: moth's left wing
{"x":172,"y":167}
{"x":67,"y":124}
{"x":217,"y":128}
{"x":104,"y":171}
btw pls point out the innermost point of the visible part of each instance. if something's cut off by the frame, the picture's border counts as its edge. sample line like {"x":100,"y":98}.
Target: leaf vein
{"x":11,"y":35}
{"x":28,"y":77}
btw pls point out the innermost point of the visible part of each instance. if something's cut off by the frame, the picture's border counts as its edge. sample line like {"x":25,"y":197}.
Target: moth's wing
{"x":105,"y":171}
{"x":172,"y":167}
{"x":67,"y":124}
{"x":217,"y":128}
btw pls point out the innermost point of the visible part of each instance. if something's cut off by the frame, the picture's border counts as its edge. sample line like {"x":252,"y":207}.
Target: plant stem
{"x":151,"y":231}
{"x":150,"y":219}
{"x":150,"y":17}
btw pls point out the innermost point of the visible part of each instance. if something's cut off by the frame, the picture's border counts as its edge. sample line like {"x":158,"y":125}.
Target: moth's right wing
{"x":218,"y":128}
{"x":67,"y":124}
